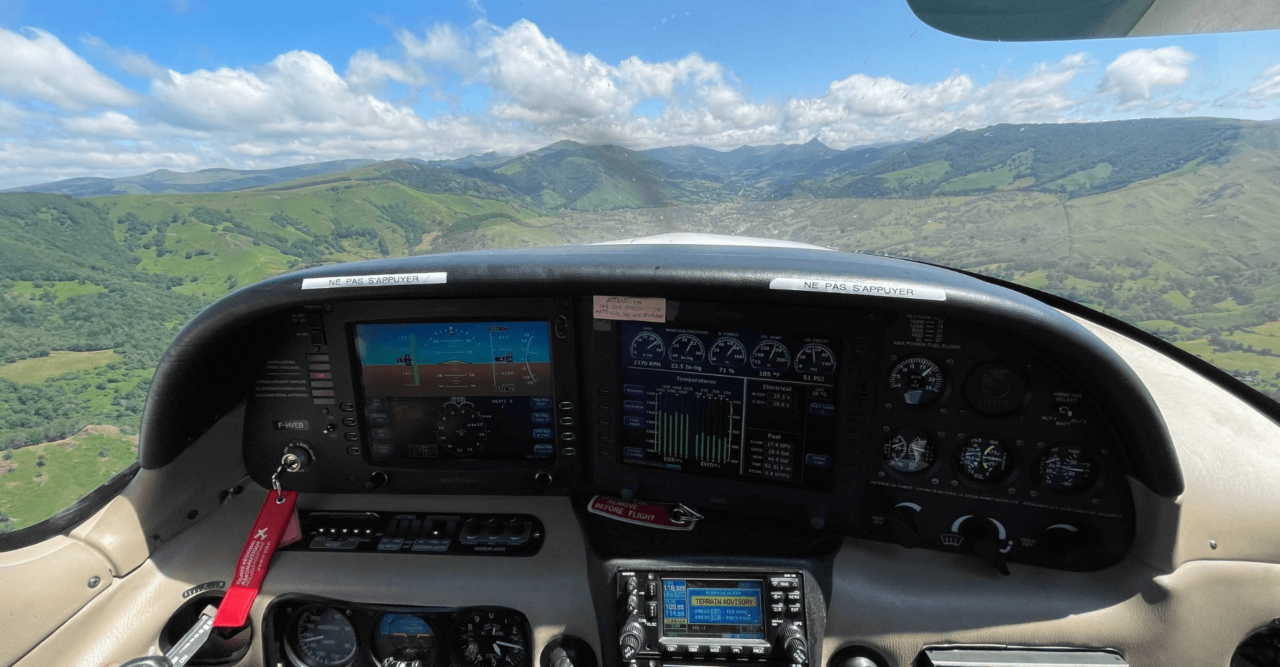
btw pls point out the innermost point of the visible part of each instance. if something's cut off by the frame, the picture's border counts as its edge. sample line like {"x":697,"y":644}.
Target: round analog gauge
{"x":919,"y":380}
{"x":490,"y":639}
{"x":322,"y":637}
{"x":404,"y":638}
{"x":771,"y":356}
{"x":728,"y":352}
{"x":996,"y":389}
{"x":687,"y":348}
{"x":648,"y":346}
{"x":908,"y":450}
{"x":1067,"y":468}
{"x":986,"y":459}
{"x":815,"y":358}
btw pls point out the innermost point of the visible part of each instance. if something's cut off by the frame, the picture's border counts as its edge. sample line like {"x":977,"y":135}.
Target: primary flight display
{"x":457,"y":390}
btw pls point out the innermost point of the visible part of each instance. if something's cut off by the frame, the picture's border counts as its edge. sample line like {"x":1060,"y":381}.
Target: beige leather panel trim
{"x":550,"y":588}
{"x":897,"y":601}
{"x":117,"y":534}
{"x":1229,"y":454}
{"x":42,"y":586}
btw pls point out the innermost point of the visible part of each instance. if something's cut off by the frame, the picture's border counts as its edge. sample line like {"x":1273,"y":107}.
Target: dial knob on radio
{"x":794,"y":645}
{"x":631,"y":638}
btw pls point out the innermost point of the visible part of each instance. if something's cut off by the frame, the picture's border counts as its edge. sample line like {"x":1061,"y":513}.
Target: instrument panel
{"x":306,"y":631}
{"x":904,"y":425}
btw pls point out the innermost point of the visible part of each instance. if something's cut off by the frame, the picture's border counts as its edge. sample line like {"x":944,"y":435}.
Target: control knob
{"x":631,"y":638}
{"x":1069,"y":545}
{"x":794,"y":645}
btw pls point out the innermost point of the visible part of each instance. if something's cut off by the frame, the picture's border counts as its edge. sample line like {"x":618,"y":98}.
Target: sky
{"x":130,"y":86}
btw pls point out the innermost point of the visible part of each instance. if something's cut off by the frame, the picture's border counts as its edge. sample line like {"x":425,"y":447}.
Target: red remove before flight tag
{"x":267,"y":533}
{"x":653,"y":515}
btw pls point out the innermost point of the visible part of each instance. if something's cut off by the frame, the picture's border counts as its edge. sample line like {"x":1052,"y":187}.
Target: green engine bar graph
{"x":692,"y":425}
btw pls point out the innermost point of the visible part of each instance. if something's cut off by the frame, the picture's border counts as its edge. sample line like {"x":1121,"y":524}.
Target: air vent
{"x":996,"y":657}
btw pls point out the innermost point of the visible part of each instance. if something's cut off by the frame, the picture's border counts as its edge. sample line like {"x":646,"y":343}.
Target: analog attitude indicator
{"x":1067,"y":469}
{"x":770,"y":356}
{"x":648,"y":346}
{"x":490,"y":639}
{"x":322,"y":637}
{"x":687,"y":348}
{"x":986,"y":459}
{"x":405,"y":638}
{"x":919,"y":380}
{"x":815,"y":358}
{"x":728,"y":352}
{"x":908,"y":450}
{"x":996,"y":389}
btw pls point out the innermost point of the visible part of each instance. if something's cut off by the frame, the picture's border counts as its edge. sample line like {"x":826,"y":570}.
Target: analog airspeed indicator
{"x":815,"y":358}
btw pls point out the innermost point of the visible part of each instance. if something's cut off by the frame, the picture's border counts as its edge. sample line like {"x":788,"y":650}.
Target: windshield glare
{"x":157,"y":156}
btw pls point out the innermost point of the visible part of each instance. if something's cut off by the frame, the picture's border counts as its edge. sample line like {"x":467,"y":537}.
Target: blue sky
{"x":129,"y":86}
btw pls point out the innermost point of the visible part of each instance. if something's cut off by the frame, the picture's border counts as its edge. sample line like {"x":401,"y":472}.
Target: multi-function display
{"x":457,"y":390}
{"x":737,"y":404}
{"x":712,"y":608}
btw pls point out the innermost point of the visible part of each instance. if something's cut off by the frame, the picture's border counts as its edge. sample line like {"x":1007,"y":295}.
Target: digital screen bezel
{"x":362,"y":398}
{"x":820,"y":479}
{"x":761,"y":606}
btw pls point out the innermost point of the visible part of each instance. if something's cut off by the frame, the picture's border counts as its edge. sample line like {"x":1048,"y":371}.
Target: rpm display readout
{"x":457,"y":390}
{"x":736,"y":404}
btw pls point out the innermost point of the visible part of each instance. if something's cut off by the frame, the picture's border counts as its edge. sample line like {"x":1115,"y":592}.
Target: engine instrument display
{"x":734,"y":404}
{"x":713,"y":608}
{"x":908,"y":450}
{"x":986,"y":459}
{"x":457,"y":390}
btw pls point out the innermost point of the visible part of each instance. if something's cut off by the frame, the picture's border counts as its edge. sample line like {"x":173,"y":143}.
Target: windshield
{"x":157,"y":155}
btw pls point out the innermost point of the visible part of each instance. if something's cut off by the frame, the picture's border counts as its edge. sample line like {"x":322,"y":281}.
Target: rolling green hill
{"x":206,"y":180}
{"x":1073,"y":160}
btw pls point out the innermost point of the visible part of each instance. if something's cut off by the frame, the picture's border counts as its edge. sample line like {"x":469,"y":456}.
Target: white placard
{"x":385,"y":280}
{"x":885,"y":288}
{"x":642,"y":309}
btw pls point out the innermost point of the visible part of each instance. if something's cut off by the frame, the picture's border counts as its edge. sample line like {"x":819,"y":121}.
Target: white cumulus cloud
{"x":1136,"y":76}
{"x":1267,"y":85}
{"x":34,"y":64}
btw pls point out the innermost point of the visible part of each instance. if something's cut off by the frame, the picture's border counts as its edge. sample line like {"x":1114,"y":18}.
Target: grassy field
{"x":39,"y":369}
{"x":37,"y":482}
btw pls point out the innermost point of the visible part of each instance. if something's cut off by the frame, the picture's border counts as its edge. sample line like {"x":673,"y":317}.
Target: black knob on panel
{"x":377,"y":480}
{"x":1070,"y":545}
{"x":541,"y":480}
{"x":902,"y":522}
{"x":985,"y":535}
{"x":794,"y":645}
{"x":632,"y":637}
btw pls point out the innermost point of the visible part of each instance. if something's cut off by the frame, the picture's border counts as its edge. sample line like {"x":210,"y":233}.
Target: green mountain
{"x":1073,"y":160}
{"x":164,"y":181}
{"x":570,"y":175}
